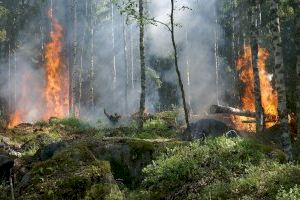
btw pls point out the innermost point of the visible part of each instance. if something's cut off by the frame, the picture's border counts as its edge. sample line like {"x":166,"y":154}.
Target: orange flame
{"x":55,"y":98}
{"x":15,"y":119}
{"x":21,"y":114}
{"x":268,"y":94}
{"x":57,"y":88}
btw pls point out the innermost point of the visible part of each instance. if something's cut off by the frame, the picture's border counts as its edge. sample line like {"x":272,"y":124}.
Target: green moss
{"x":68,"y":175}
{"x":104,"y":192}
{"x":139,"y":147}
{"x":41,"y":123}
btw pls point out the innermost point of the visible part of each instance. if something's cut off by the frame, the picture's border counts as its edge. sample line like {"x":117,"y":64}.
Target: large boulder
{"x":128,"y":156}
{"x":48,"y":151}
{"x":71,"y":173}
{"x":207,"y":128}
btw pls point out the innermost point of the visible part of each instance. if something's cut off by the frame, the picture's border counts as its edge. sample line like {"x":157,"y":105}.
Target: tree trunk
{"x":80,"y":75}
{"x":15,"y":79}
{"x":92,"y":72}
{"x":9,"y":79}
{"x":186,"y":112}
{"x":188,"y":74}
{"x":143,"y":66}
{"x":73,"y":78}
{"x":218,"y":109}
{"x":126,"y":64}
{"x":280,"y":79}
{"x":297,"y":39}
{"x":233,"y":52}
{"x":131,"y":58}
{"x":254,"y":50}
{"x":113,"y":45}
{"x":216,"y":57}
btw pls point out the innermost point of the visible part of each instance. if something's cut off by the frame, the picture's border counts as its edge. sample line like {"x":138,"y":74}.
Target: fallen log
{"x":218,"y":109}
{"x":254,"y":121}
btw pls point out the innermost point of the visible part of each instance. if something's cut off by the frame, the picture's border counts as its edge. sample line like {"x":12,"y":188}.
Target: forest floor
{"x":70,"y":159}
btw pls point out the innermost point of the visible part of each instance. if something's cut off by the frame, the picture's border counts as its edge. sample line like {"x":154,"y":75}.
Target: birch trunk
{"x":143,"y":65}
{"x":92,"y":70}
{"x":280,"y":79}
{"x":217,"y":58}
{"x":188,"y":77}
{"x":254,"y":50}
{"x":233,"y":50}
{"x":80,"y":75}
{"x":113,"y":45}
{"x":132,"y":58}
{"x":74,"y":64}
{"x":126,"y":64}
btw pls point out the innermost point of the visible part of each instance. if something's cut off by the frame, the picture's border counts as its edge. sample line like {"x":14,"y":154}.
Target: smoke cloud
{"x":105,"y":48}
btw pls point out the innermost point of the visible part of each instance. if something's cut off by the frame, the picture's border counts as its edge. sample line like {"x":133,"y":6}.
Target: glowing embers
{"x":268,"y":93}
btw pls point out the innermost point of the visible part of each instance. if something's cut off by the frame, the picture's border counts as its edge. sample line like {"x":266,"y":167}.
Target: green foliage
{"x":220,"y":168}
{"x":74,"y":123}
{"x":104,"y":192}
{"x":159,"y":125}
{"x":2,"y":35}
{"x":157,"y":128}
{"x":291,"y":194}
{"x":151,"y":74}
{"x":41,"y":123}
{"x":4,"y":192}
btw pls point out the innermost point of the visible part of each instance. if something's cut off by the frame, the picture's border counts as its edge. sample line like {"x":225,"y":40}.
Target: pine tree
{"x":143,"y":65}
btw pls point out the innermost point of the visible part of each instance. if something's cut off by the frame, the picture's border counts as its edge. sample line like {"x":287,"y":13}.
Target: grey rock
{"x":49,"y":150}
{"x":6,"y":164}
{"x":207,"y":128}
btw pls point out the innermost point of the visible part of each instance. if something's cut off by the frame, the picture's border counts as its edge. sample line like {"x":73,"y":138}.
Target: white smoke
{"x":194,"y":37}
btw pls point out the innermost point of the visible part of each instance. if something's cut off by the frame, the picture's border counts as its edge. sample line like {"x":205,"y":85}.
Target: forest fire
{"x":268,"y":94}
{"x":21,"y":114}
{"x":57,"y":82}
{"x":54,"y":101}
{"x":15,"y":119}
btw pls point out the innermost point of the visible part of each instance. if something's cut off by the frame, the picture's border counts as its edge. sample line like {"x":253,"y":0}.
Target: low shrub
{"x":220,"y":168}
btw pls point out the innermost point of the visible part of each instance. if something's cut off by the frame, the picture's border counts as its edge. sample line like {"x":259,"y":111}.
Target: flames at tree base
{"x":268,"y":93}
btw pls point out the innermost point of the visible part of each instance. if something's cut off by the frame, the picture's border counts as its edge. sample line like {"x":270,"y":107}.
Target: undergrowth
{"x":220,"y":168}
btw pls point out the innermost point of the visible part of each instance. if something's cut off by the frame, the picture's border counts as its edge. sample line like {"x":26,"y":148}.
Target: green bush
{"x":220,"y":168}
{"x":74,"y":123}
{"x":291,"y":194}
{"x":4,"y":192}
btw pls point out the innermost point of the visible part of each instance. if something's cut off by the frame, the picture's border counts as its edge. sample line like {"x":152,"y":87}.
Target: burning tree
{"x":54,"y":100}
{"x":56,"y":71}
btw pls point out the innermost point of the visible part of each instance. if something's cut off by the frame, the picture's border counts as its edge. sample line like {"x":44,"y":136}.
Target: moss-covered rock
{"x":129,"y":156}
{"x":69,"y":174}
